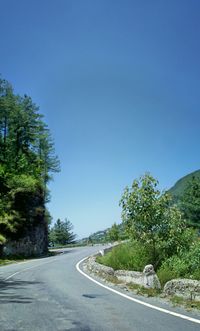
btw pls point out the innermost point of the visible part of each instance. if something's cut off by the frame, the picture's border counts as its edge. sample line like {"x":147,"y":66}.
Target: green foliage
{"x":90,"y":240}
{"x":103,"y":236}
{"x":22,"y":182}
{"x":165,"y":274}
{"x":61,"y":233}
{"x":128,"y":256}
{"x":186,"y":265}
{"x":187,"y":303}
{"x":178,"y":189}
{"x":143,"y":208}
{"x":47,"y":216}
{"x":27,"y":161}
{"x":150,"y":219}
{"x":158,"y":232}
{"x":141,"y":290}
{"x":2,"y":239}
{"x":113,"y":233}
{"x":190,"y":202}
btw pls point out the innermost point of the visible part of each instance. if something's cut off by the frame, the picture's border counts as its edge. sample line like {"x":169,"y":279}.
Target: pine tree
{"x":27,"y":162}
{"x":61,"y":233}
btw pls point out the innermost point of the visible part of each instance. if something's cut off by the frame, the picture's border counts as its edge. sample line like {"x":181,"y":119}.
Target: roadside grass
{"x":134,"y":256}
{"x":187,"y":303}
{"x":186,"y":264}
{"x":109,"y":278}
{"x":13,"y":259}
{"x":127,"y":256}
{"x":6,"y":261}
{"x":141,"y":290}
{"x":165,"y":275}
{"x":20,"y":258}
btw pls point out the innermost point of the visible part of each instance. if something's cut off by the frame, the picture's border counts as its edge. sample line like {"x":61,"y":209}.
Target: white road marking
{"x":166,"y":311}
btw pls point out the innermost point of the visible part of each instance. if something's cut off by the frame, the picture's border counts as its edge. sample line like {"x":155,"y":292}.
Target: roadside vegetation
{"x":128,"y":256}
{"x":61,"y":234}
{"x":160,"y":232}
{"x":27,"y":162}
{"x":187,"y":303}
{"x":4,"y":261}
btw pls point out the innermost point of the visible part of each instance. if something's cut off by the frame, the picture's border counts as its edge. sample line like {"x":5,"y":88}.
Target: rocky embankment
{"x":147,"y":278}
{"x":185,"y":288}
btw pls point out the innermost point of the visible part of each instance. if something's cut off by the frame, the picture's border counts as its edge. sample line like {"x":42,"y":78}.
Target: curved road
{"x":50,"y":294}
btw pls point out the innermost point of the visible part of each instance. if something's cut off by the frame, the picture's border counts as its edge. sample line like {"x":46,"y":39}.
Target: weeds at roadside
{"x":20,"y":258}
{"x":187,"y":303}
{"x":109,"y":278}
{"x":141,"y":290}
{"x":6,"y":261}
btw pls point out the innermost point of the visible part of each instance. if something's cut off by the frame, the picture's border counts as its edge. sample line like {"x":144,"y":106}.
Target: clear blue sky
{"x":119,"y":84}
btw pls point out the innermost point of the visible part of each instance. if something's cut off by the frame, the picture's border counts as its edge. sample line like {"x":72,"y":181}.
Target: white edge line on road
{"x":135,"y":300}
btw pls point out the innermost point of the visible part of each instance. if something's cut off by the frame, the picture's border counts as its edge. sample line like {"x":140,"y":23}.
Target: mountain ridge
{"x":179,"y":187}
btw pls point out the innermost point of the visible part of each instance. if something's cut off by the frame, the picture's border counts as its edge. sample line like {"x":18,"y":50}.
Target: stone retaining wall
{"x":93,"y":266}
{"x":147,"y":278}
{"x":125,"y":276}
{"x":186,"y":288}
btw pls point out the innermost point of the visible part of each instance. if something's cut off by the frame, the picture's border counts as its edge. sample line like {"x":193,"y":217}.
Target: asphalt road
{"x":50,"y":294}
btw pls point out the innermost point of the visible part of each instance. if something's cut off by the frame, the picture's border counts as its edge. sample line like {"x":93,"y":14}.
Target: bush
{"x":128,"y":256}
{"x":150,"y":219}
{"x":165,"y":273}
{"x":185,"y":265}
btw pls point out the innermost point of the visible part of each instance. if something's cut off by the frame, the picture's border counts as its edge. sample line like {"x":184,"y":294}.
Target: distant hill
{"x":178,"y":189}
{"x":100,"y":236}
{"x":97,"y":237}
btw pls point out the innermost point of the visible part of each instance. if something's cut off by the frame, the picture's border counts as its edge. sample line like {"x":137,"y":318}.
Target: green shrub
{"x":141,"y":290}
{"x":128,"y":256}
{"x":165,"y":273}
{"x":150,"y":218}
{"x":185,"y":265}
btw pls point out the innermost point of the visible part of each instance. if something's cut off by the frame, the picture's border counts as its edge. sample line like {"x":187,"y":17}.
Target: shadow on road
{"x":61,"y":251}
{"x":9,"y":290}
